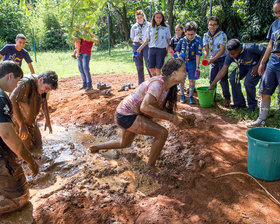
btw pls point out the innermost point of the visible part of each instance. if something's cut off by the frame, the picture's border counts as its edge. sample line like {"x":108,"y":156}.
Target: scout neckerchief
{"x":185,"y":47}
{"x":140,"y":29}
{"x":238,"y":61}
{"x":212,"y":39}
{"x":156,"y":34}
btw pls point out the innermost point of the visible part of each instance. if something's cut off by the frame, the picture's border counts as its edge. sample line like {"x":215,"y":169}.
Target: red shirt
{"x":86,"y":47}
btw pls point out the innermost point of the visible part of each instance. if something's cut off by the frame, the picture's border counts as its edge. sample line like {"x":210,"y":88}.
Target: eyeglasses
{"x":210,"y":24}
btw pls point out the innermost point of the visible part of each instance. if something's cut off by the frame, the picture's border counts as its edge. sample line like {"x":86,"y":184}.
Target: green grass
{"x":121,"y":61}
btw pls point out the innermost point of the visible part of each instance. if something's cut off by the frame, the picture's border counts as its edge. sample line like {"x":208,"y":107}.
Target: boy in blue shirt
{"x":16,"y":52}
{"x":189,"y":49}
{"x":214,"y":43}
{"x":271,"y":75}
{"x":247,"y":58}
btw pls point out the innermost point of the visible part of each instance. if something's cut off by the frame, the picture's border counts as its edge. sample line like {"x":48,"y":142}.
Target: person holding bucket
{"x":154,"y":98}
{"x":189,"y":49}
{"x":138,"y":36}
{"x":271,"y":75}
{"x":214,"y":43}
{"x":247,"y":58}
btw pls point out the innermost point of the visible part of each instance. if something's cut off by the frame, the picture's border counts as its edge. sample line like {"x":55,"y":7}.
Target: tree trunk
{"x":170,"y":16}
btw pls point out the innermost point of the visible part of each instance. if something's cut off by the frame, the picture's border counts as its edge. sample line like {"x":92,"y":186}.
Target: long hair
{"x":153,"y":21}
{"x":172,"y":65}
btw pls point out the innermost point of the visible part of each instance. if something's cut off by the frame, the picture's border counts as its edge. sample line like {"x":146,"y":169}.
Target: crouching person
{"x":154,"y":98}
{"x":14,"y":192}
{"x":27,"y":99}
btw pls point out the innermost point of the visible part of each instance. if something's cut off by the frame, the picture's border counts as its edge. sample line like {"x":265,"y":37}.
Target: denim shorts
{"x":125,"y":121}
{"x":156,"y":57}
{"x":190,"y":68}
{"x":270,"y":80}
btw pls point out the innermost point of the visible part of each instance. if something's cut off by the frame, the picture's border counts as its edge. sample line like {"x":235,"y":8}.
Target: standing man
{"x":138,"y":36}
{"x":88,"y":39}
{"x":16,"y":52}
{"x":27,"y":99}
{"x":247,"y":58}
{"x":214,"y":42}
{"x":14,"y":192}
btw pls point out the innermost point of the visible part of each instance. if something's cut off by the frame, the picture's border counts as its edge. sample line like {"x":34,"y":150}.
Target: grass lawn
{"x":121,"y":61}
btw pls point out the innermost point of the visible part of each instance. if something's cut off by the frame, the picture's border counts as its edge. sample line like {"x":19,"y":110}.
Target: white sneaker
{"x":257,"y":123}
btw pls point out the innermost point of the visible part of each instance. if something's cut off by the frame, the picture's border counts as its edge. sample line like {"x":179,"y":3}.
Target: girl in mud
{"x":154,"y":98}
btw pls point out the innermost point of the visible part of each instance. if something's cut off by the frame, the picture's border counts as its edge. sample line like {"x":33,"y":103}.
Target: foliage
{"x":12,"y":20}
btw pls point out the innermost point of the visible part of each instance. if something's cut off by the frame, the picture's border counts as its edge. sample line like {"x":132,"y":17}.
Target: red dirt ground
{"x":188,"y":194}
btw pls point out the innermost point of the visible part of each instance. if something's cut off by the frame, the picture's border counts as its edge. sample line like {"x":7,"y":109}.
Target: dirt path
{"x":111,"y":187}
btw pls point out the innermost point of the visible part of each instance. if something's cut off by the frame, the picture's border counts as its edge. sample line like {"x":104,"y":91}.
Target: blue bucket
{"x":264,"y":153}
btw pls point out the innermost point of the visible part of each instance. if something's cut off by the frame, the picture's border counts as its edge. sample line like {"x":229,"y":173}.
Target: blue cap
{"x":135,"y":53}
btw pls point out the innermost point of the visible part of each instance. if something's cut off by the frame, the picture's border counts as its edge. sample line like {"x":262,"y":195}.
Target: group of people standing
{"x":250,"y":59}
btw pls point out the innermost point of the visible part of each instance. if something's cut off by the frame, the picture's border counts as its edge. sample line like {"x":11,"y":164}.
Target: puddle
{"x":65,"y":163}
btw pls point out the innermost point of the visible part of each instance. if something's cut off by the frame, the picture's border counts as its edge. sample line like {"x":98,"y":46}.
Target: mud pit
{"x":75,"y":186}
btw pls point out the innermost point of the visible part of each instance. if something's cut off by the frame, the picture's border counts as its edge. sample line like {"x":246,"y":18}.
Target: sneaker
{"x":83,"y":87}
{"x":191,"y":100}
{"x":89,"y":88}
{"x":182,"y":99}
{"x":257,"y":123}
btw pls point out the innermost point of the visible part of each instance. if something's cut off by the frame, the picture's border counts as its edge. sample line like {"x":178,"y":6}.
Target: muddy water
{"x":65,"y":163}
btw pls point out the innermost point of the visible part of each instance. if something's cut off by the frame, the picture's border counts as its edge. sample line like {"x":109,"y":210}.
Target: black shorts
{"x":125,"y":121}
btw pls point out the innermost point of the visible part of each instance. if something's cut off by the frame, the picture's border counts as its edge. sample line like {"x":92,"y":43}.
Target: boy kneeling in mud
{"x":154,"y":98}
{"x":27,"y":99}
{"x":14,"y":192}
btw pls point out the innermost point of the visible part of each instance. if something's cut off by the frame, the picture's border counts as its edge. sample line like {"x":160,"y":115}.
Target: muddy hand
{"x":34,"y":167}
{"x":93,"y":149}
{"x":23,"y":133}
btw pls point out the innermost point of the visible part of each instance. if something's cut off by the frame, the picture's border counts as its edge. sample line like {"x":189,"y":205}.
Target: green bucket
{"x":264,"y":153}
{"x":205,"y":97}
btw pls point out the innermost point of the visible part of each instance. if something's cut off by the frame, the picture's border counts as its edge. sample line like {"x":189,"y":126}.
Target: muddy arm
{"x":46,"y":113}
{"x":16,"y":97}
{"x":9,"y":136}
{"x":150,"y":107}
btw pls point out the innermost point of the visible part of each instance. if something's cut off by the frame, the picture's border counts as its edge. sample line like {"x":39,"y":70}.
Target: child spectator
{"x":179,"y":30}
{"x":214,"y":42}
{"x":16,"y":52}
{"x":271,"y":75}
{"x":158,"y":36}
{"x":247,"y":57}
{"x":138,"y":36}
{"x":77,"y":38}
{"x":189,"y":49}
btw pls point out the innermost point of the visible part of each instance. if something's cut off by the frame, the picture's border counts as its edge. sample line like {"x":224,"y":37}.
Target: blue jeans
{"x":83,"y":64}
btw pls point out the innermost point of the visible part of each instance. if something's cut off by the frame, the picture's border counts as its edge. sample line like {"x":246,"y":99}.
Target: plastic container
{"x":171,"y":53}
{"x":135,"y":53}
{"x":175,"y":56}
{"x":183,"y":55}
{"x":204,"y":62}
{"x":264,"y":153}
{"x":205,"y":97}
